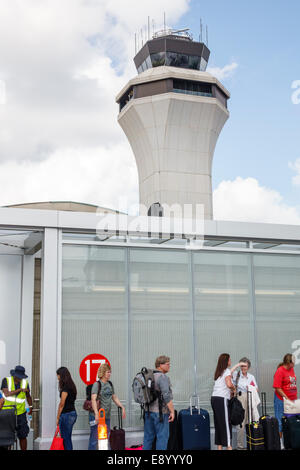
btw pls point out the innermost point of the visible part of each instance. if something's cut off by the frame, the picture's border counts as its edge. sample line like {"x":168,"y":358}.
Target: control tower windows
{"x":189,"y":87}
{"x":158,"y":59}
{"x":203,"y":65}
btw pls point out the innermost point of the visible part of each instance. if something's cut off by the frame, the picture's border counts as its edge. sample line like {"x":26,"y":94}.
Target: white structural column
{"x":27,"y":313}
{"x":173,"y":136}
{"x":49,"y":335}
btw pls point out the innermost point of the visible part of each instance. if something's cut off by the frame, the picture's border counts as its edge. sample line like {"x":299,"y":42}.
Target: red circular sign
{"x":89,"y":367}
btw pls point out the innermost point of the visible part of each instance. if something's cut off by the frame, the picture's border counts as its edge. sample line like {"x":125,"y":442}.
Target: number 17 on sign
{"x":89,"y":367}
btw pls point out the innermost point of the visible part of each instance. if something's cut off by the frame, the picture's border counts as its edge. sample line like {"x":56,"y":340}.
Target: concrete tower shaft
{"x":172,"y":118}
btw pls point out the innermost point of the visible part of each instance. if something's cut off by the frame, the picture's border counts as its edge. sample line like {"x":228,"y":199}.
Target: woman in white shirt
{"x":223,"y":388}
{"x":243,"y":381}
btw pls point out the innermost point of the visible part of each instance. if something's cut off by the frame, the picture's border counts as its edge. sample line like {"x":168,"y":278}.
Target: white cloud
{"x":62,"y":64}
{"x":222,"y":73}
{"x":296,"y":167}
{"x":96,"y":175}
{"x":246,"y":200}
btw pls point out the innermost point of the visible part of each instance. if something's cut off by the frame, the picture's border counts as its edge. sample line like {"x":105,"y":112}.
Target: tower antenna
{"x":207,"y":35}
{"x":135,"y":43}
{"x":148,"y":28}
{"x":201,"y":31}
{"x":164,"y":21}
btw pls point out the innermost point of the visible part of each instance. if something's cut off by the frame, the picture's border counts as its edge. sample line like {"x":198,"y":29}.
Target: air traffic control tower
{"x":172,"y":113}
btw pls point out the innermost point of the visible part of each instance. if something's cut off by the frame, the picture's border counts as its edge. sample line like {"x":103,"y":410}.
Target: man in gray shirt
{"x":156,"y":425}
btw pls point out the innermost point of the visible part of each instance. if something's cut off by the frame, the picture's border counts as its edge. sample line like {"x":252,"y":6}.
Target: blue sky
{"x":263,"y":133}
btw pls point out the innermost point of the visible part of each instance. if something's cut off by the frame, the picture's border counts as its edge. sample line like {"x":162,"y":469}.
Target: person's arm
{"x":13,"y":392}
{"x":277,"y":384}
{"x":119,"y":404}
{"x":236,"y":366}
{"x":1,"y":402}
{"x":229,"y":383}
{"x":172,"y":411}
{"x":164,"y":387}
{"x":61,"y":406}
{"x":29,"y":400}
{"x":94,"y":406}
{"x":281,"y":393}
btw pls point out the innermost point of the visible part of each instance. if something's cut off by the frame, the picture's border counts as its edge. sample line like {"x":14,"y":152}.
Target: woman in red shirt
{"x":284,"y":383}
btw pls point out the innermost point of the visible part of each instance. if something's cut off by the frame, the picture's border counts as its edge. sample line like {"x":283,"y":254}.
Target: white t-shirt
{"x":220,"y":387}
{"x":244,"y":381}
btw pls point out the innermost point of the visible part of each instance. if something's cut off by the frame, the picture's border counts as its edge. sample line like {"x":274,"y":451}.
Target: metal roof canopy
{"x":106,"y":228}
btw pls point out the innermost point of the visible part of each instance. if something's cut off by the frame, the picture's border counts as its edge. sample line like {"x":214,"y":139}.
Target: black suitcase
{"x":291,"y":432}
{"x":270,"y":427}
{"x":194,"y":425}
{"x":117,"y":434}
{"x":174,"y":436}
{"x":254,"y":429}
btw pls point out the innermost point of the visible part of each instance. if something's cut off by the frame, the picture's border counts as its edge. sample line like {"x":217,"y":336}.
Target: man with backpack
{"x":161,"y":411}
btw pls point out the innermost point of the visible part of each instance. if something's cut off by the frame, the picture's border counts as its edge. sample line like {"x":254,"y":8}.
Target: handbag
{"x":87,"y":405}
{"x":291,"y":407}
{"x":58,"y":442}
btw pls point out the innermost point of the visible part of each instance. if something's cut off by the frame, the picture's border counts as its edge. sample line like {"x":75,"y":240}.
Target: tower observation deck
{"x":172,"y":113}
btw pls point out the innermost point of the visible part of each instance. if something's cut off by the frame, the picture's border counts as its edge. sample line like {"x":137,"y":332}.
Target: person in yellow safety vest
{"x":15,"y":391}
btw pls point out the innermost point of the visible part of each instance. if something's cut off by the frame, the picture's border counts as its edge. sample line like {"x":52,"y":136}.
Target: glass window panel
{"x":222,"y":313}
{"x":161,"y":317}
{"x":203,"y":65}
{"x":94,"y":315}
{"x":158,"y":59}
{"x":277,"y":294}
{"x":148,"y":62}
{"x":194,"y":62}
{"x":172,"y":59}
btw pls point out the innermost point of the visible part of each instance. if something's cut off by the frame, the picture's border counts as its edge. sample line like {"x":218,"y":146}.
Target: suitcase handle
{"x":249,"y":406}
{"x":264,"y":403}
{"x":192,"y":398}
{"x":120,"y":419}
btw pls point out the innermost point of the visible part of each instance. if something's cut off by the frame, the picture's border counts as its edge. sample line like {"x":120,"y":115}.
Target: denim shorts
{"x":278,"y":410}
{"x":22,"y":426}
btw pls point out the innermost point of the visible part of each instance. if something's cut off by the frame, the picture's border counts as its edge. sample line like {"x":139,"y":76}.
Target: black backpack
{"x":236,"y":412}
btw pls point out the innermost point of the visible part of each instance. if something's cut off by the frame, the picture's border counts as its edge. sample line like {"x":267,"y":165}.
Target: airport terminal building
{"x":77,"y":281}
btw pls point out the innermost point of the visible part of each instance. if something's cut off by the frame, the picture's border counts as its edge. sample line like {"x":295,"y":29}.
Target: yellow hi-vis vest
{"x":16,"y":400}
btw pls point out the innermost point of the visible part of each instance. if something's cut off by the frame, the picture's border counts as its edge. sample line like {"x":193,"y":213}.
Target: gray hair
{"x":245,"y":359}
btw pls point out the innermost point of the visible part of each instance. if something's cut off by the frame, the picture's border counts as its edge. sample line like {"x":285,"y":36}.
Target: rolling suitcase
{"x":270,"y":427}
{"x":291,"y":432}
{"x":194,"y":426}
{"x":117,"y":434}
{"x":174,"y":441}
{"x":254,"y":429}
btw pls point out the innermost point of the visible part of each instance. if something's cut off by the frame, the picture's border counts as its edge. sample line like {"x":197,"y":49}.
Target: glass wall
{"x":277,"y":294}
{"x":94,"y":314}
{"x":161,"y":317}
{"x":134,"y":304}
{"x":223,"y":313}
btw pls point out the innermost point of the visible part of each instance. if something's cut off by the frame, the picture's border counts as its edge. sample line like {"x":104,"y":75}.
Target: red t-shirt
{"x":286,"y":380}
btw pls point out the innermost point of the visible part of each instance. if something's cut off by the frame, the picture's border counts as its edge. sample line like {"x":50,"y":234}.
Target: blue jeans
{"x":154,"y":428}
{"x":66,"y":423}
{"x":93,"y":441}
{"x":278,"y":410}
